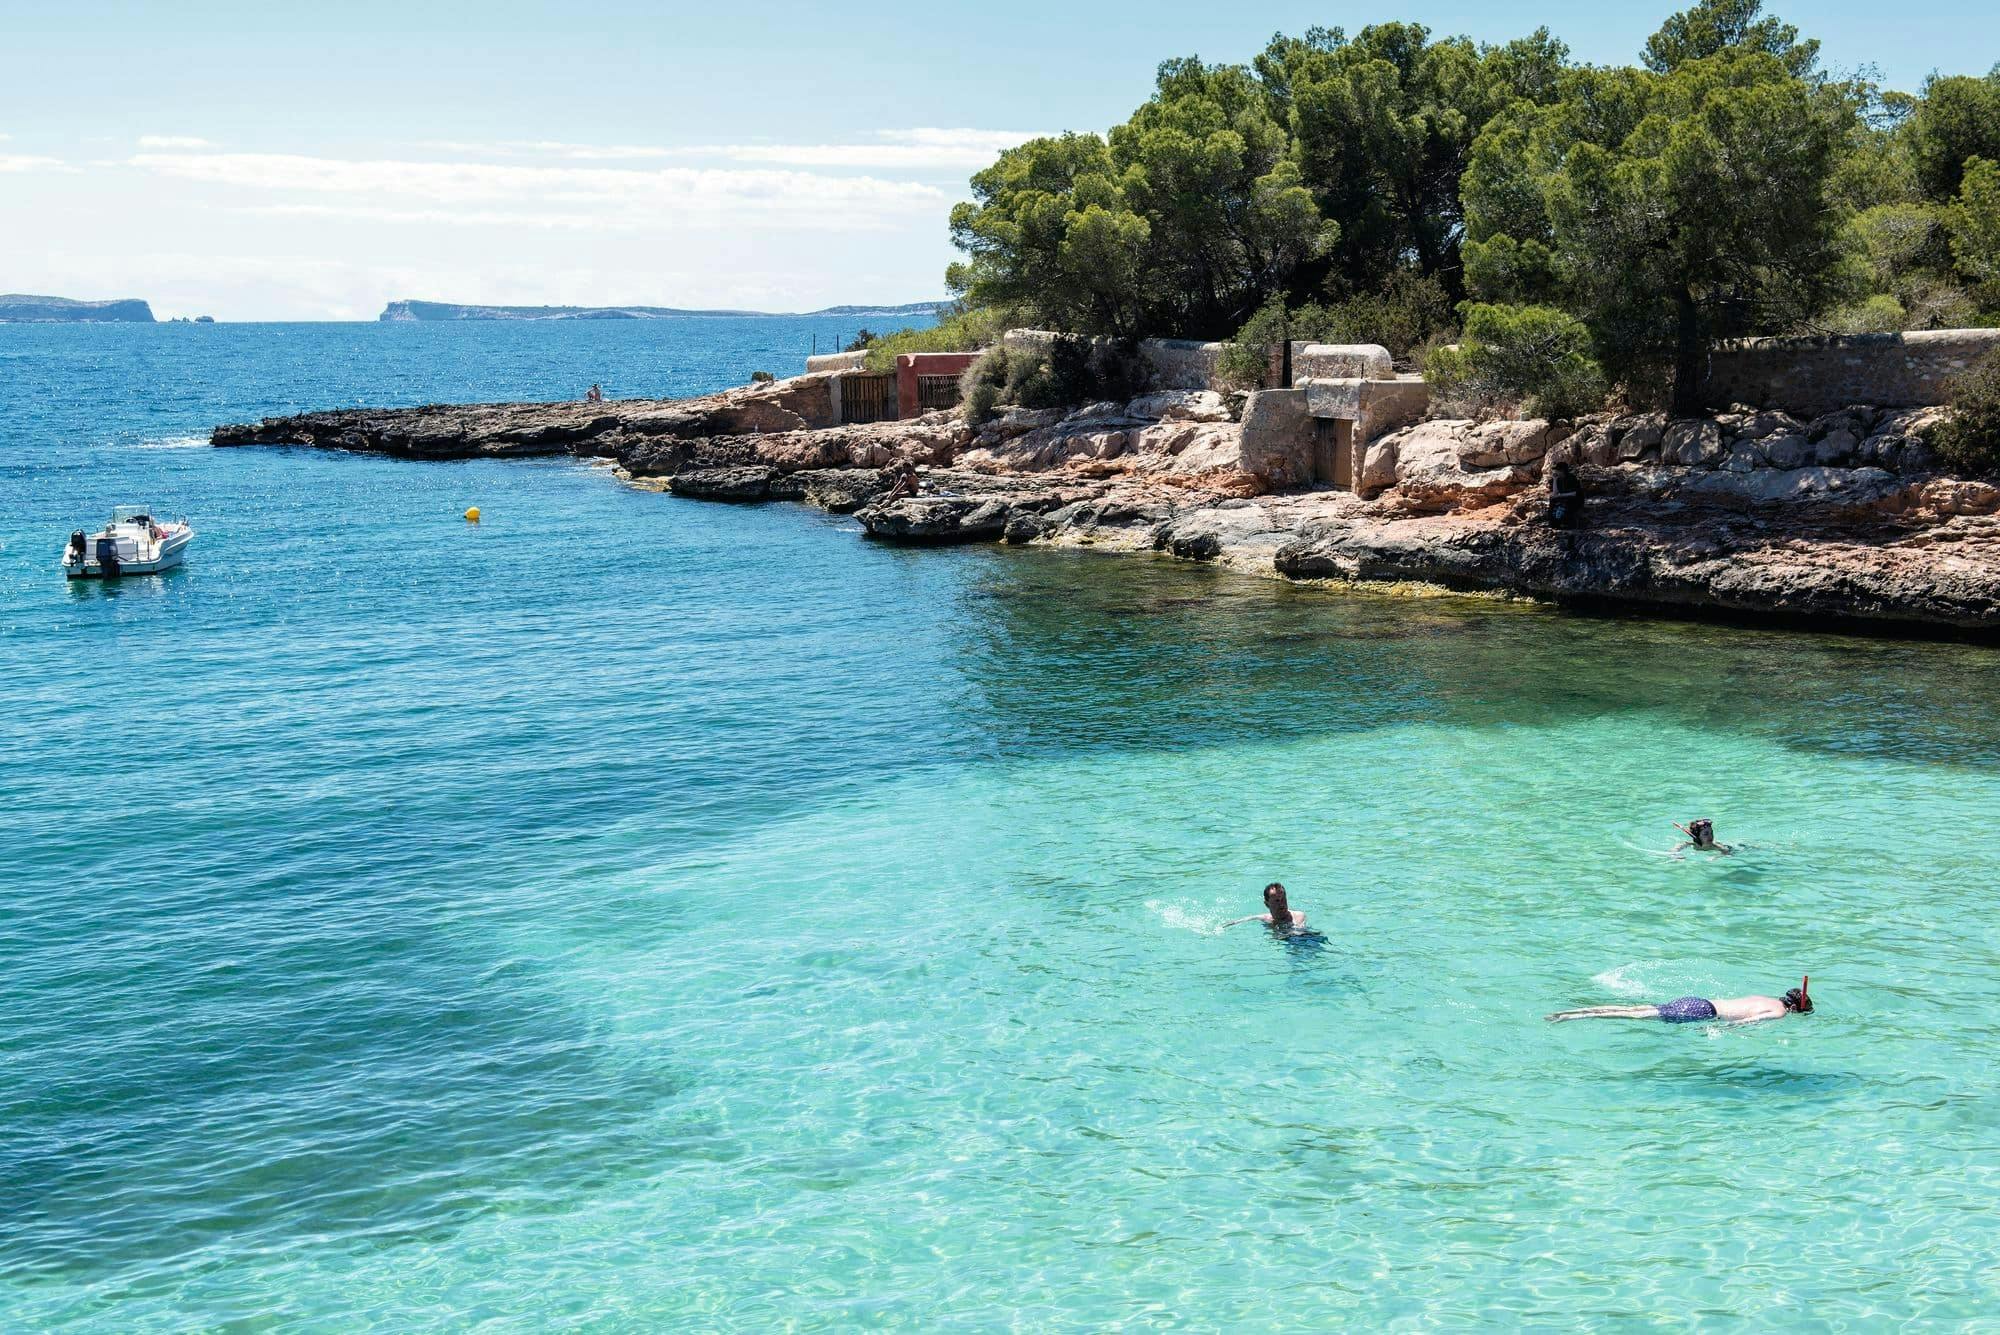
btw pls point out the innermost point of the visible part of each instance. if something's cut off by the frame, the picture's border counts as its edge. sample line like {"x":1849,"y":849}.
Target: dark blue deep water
{"x":631,"y":914}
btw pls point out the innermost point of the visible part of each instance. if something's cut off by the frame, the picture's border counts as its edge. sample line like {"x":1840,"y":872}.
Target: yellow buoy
{"x":472,"y":515}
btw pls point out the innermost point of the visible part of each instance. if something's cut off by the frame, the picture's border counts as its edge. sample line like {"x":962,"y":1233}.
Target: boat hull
{"x":170,"y":554}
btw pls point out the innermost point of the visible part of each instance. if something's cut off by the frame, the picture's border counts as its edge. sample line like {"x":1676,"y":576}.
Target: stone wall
{"x":1810,"y":376}
{"x":837,"y":361}
{"x":1341,"y":361}
{"x":1278,"y":438}
{"x":1375,"y":406}
{"x":910,"y":365}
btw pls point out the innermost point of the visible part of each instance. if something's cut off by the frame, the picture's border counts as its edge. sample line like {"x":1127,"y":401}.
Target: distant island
{"x":399,"y":311}
{"x":20,"y":308}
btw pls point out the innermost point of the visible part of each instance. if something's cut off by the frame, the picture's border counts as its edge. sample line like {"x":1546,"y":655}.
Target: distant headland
{"x":20,"y":308}
{"x":448,"y":310}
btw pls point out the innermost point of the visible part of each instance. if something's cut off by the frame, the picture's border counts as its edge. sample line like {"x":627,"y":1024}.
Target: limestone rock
{"x":1692,"y":443}
{"x":1846,"y":487}
{"x":1641,"y":435}
{"x":1495,"y":444}
{"x":1431,"y":473}
{"x":1836,"y":447}
{"x":1378,"y":466}
{"x":1953,"y":496}
{"x":1788,"y":449}
{"x":936,"y":519}
{"x":723,"y":484}
{"x":1742,"y":457}
{"x":1178,"y":405}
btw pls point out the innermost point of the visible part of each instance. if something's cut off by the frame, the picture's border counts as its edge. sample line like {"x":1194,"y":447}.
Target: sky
{"x":272,"y":161}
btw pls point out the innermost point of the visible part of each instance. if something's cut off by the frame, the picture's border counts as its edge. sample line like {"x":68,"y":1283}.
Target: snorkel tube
{"x":1799,"y":998}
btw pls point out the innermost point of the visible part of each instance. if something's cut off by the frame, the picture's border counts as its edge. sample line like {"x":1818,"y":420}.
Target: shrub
{"x":979,"y":387}
{"x":1533,"y":358}
{"x":864,"y":338}
{"x":1968,"y":441}
{"x":958,"y":330}
{"x":1406,"y":312}
{"x":1065,"y":373}
{"x":761,"y":377}
{"x":1245,"y":362}
{"x":1879,"y":314}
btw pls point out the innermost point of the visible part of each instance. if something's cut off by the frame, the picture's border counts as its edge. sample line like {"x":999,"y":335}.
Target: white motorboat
{"x":133,"y":543}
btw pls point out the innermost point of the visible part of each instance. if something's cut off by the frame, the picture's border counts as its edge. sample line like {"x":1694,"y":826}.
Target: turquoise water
{"x":631,"y":912}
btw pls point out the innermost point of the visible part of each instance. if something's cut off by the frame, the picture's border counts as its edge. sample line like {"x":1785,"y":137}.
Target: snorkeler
{"x":1279,"y":913}
{"x":1700,"y":835}
{"x":1693,"y":1010}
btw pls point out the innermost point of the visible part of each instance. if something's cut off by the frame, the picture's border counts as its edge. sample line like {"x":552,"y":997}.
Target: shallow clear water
{"x":631,"y":911}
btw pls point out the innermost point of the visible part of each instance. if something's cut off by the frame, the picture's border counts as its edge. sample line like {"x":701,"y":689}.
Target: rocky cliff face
{"x":19,"y":308}
{"x":1841,"y":518}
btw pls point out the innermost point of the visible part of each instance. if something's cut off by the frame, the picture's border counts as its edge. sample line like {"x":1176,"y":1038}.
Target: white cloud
{"x":172,"y":141}
{"x":28,"y":162}
{"x":919,"y":149}
{"x":604,"y":197}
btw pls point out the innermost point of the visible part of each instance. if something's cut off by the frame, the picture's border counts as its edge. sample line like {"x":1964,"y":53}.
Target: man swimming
{"x":1694,"y":1010}
{"x":1700,"y":835}
{"x":1279,"y":915}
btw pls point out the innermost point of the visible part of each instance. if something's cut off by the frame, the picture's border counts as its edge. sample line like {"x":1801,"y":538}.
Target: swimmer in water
{"x":1279,"y":915}
{"x":1693,"y":1010}
{"x":1700,"y":835}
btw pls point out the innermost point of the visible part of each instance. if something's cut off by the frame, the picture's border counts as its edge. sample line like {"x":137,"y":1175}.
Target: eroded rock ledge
{"x":1841,"y":519}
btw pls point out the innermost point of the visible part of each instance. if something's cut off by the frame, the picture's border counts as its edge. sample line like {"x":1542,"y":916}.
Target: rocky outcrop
{"x":1634,"y":556}
{"x":463,"y":431}
{"x":1837,"y":518}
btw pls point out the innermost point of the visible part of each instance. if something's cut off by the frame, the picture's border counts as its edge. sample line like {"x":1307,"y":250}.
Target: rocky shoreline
{"x":1841,"y":520}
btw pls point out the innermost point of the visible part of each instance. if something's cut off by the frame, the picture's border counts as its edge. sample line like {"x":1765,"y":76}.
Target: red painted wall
{"x":910,"y":365}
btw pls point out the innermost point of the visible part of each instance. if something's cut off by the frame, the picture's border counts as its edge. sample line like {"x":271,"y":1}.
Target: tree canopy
{"x":1363,"y":186}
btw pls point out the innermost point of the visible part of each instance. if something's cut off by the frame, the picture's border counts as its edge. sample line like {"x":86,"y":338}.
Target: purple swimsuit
{"x":1687,"y":1010}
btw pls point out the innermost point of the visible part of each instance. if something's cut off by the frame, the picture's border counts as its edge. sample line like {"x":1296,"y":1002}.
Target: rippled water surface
{"x":631,"y":912}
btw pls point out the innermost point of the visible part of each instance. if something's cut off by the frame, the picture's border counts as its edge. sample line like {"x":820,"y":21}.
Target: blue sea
{"x":630,"y":914}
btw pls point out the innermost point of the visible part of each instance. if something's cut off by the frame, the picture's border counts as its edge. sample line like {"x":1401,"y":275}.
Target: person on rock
{"x":1701,"y":837}
{"x":903,"y":481}
{"x":1565,"y":496}
{"x":1278,"y":913}
{"x":1694,"y":1010}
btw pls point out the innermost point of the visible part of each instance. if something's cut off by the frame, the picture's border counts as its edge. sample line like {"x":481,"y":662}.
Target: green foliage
{"x":958,"y":329}
{"x":1974,"y":223}
{"x":863,"y":339}
{"x":1665,"y":209}
{"x":761,"y":377}
{"x":1180,"y":223}
{"x":1968,"y":441}
{"x":1879,"y":314}
{"x":1246,"y":360}
{"x":1533,"y":358}
{"x":1957,"y":119}
{"x":1355,"y":189}
{"x":979,"y":386}
{"x":1384,"y":125}
{"x":1066,"y":373}
{"x":1716,"y":26}
{"x":1405,"y":313}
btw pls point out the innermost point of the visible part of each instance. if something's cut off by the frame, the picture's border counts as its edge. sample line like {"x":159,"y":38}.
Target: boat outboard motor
{"x":107,"y":555}
{"x":78,"y":545}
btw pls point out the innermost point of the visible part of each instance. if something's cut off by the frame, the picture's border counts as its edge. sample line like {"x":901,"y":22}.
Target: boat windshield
{"x":125,"y":514}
